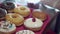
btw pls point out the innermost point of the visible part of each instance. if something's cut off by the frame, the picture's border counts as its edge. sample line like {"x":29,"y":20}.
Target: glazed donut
{"x":33,"y":25}
{"x":39,"y":14}
{"x":22,"y":10}
{"x":15,"y":18}
{"x":8,"y":5}
{"x":7,"y":28}
{"x":3,"y":13}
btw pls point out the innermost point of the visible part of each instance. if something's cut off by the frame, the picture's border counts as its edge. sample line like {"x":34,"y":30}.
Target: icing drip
{"x":31,"y":16}
{"x":33,"y":19}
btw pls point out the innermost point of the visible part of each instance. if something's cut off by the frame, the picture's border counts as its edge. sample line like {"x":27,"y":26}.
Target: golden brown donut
{"x":15,"y":18}
{"x":39,"y":15}
{"x":22,"y":10}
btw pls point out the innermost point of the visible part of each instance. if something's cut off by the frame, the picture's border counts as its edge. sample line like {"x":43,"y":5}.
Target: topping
{"x":6,"y":25}
{"x":25,"y":32}
{"x":33,"y":19}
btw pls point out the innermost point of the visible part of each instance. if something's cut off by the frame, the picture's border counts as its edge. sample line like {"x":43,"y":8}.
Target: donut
{"x":7,"y":28}
{"x":3,"y":13}
{"x":39,"y":14}
{"x":33,"y":25}
{"x":8,"y":6}
{"x":15,"y":18}
{"x":25,"y":32}
{"x":22,"y":10}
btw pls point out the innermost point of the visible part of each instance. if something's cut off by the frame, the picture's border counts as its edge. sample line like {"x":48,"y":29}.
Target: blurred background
{"x":51,"y":7}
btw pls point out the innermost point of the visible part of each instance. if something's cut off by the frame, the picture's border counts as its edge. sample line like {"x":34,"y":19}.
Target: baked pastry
{"x":39,"y":14}
{"x":33,"y":25}
{"x":25,"y":32}
{"x":9,"y":6}
{"x":22,"y":10}
{"x":7,"y":28}
{"x":3,"y":13}
{"x":15,"y":18}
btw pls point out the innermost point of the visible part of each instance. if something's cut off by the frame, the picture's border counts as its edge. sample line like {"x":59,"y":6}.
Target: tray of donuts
{"x":21,"y":19}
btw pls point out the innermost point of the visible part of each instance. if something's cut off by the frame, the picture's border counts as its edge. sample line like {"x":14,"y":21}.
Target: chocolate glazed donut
{"x":3,"y":13}
{"x":8,"y":5}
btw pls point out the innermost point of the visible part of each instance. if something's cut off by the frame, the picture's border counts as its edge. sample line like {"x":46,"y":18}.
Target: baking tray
{"x":37,"y":32}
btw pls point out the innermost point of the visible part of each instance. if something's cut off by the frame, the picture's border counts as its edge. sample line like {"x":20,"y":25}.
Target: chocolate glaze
{"x":8,"y":5}
{"x":3,"y":13}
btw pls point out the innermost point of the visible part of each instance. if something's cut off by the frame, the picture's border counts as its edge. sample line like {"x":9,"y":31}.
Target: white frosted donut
{"x":25,"y":32}
{"x":33,"y":25}
{"x":7,"y":28}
